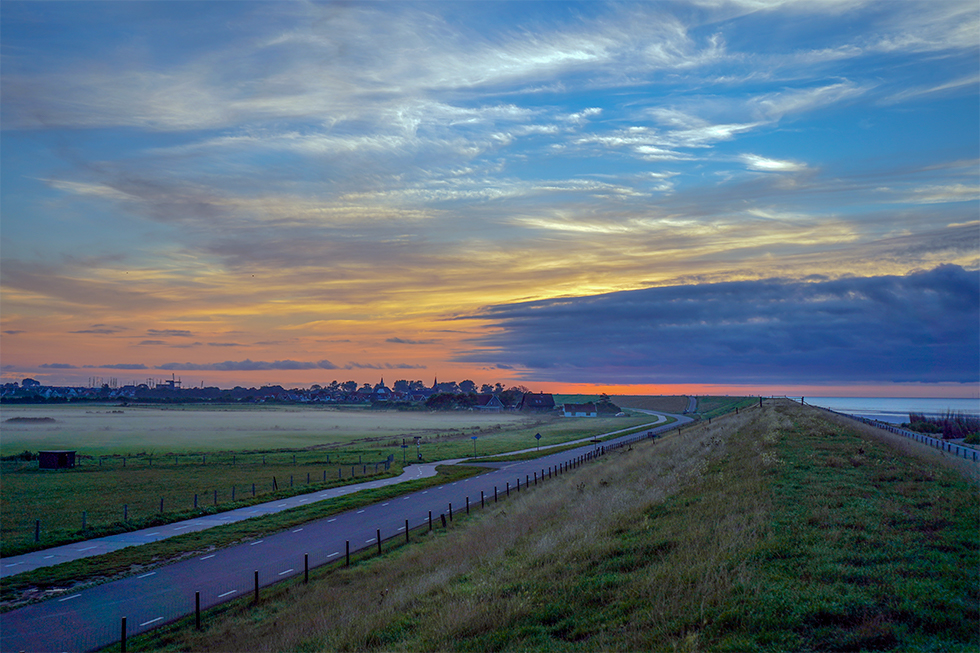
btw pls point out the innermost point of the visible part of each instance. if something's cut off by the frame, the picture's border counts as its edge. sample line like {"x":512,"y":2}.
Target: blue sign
{"x":537,"y":437}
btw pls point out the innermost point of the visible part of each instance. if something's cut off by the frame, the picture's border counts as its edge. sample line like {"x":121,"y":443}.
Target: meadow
{"x":133,"y":461}
{"x":775,"y":529}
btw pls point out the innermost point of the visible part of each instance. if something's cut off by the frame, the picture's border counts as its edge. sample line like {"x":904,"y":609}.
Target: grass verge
{"x":771,"y":530}
{"x":40,"y":583}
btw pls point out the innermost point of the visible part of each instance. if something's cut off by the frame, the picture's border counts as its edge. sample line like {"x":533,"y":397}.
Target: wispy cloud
{"x":316,"y":180}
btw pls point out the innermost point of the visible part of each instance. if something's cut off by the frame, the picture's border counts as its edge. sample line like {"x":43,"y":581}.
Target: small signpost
{"x":404,"y":452}
{"x":537,"y":437}
{"x":473,"y":437}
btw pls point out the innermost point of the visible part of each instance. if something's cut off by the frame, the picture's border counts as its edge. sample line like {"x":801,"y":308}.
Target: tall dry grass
{"x":600,"y":558}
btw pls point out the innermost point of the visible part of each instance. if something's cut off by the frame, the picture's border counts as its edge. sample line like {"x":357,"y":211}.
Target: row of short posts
{"x":551,"y":471}
{"x":234,"y":488}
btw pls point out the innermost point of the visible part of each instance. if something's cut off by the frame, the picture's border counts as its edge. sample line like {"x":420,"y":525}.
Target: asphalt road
{"x":91,"y":619}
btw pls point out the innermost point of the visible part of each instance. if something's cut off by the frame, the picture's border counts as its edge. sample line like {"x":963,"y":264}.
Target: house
{"x":579,"y":410}
{"x":536,"y":402}
{"x":488,"y":403}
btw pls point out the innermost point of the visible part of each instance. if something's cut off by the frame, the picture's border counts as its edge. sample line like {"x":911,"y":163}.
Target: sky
{"x":747,"y":196}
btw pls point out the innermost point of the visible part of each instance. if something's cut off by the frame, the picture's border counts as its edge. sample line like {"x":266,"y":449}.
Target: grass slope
{"x":771,"y":530}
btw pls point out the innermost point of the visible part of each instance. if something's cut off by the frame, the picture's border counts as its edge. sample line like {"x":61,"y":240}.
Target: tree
{"x":401,"y":385}
{"x":350,"y":387}
{"x":486,"y":389}
{"x":467,"y":387}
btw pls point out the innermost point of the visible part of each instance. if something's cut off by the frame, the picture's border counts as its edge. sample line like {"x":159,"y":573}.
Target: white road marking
{"x":259,"y":542}
{"x":401,"y":528}
{"x":297,"y":530}
{"x":48,"y":557}
{"x":155,"y":533}
{"x":369,"y":541}
{"x":284,"y":572}
{"x":151,"y":621}
{"x":383,"y":505}
{"x":88,"y":548}
{"x":360,"y":512}
{"x":69,"y":598}
{"x":152,"y":573}
{"x":281,"y":505}
{"x":426,"y":492}
{"x":210,"y":556}
{"x":179,"y":528}
{"x":14,"y":564}
{"x":226,"y":594}
{"x":330,"y":520}
{"x":335,"y":553}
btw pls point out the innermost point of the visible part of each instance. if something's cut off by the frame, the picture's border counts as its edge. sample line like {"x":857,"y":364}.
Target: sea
{"x":893,"y":409}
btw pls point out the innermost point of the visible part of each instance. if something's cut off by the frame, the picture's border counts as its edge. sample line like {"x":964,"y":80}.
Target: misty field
{"x":112,"y":429}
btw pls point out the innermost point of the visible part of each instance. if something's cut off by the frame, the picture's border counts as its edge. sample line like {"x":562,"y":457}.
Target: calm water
{"x":892,"y":409}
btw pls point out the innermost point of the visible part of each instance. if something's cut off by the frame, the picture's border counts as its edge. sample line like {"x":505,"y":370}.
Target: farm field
{"x":669,"y":404}
{"x":134,"y":458}
{"x":772,"y":530}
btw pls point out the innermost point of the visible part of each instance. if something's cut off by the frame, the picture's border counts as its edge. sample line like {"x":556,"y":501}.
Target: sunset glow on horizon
{"x":704,"y":197}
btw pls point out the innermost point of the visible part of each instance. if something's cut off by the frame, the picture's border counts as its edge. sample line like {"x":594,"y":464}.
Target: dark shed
{"x":56,"y":459}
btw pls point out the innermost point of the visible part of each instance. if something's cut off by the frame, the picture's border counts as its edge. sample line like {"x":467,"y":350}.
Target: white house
{"x":579,"y":410}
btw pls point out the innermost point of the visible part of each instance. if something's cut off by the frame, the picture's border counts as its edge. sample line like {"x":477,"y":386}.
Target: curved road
{"x":91,"y":619}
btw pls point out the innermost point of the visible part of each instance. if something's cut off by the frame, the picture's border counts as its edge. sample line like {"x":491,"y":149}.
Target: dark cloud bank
{"x":923,"y":327}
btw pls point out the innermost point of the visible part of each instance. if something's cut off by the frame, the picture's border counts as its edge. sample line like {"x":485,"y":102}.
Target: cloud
{"x":383,"y":366}
{"x":225,"y":344}
{"x":102,"y":331}
{"x":764,"y":164}
{"x":14,"y":332}
{"x":177,"y":333}
{"x":58,"y":366}
{"x":405,"y":341}
{"x":123,"y":366}
{"x":922,"y":327}
{"x":239,"y":366}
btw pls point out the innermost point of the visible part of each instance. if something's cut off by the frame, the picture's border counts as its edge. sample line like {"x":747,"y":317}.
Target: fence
{"x":144,"y":511}
{"x":967,"y":453}
{"x":157,"y":608}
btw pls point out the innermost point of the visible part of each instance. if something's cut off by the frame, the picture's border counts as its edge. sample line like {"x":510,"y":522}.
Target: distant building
{"x":537,"y":402}
{"x":488,"y":403}
{"x":579,"y":410}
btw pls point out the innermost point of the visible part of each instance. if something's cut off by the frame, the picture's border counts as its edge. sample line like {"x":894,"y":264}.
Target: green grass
{"x":711,"y":407}
{"x":772,"y":530}
{"x":59,"y":498}
{"x":32,"y":585}
{"x":156,"y":462}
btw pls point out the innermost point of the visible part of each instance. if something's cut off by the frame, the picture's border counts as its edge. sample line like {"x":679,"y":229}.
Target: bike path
{"x":13,"y":565}
{"x":90,"y":619}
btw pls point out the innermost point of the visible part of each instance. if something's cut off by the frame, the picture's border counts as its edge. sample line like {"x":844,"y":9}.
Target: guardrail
{"x":967,"y":453}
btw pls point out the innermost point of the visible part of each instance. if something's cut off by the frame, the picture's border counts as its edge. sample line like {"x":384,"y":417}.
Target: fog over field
{"x":97,"y":429}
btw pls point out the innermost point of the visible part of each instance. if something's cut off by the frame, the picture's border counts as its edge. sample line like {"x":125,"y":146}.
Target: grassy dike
{"x":772,"y":530}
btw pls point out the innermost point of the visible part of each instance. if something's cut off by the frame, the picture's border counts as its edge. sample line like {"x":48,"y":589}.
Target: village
{"x":405,"y":395}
